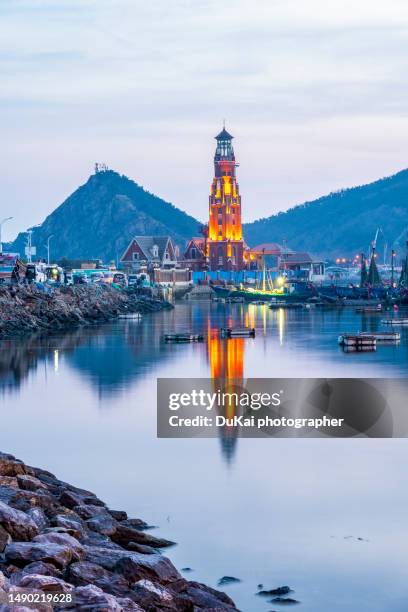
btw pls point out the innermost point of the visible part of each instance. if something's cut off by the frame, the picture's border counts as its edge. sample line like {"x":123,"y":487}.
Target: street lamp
{"x":48,"y":248}
{"x":1,"y":225}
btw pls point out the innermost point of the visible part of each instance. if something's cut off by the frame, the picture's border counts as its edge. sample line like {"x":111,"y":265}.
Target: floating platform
{"x":370,"y":310}
{"x":183,"y":337}
{"x":395,"y":321}
{"x":358,"y":342}
{"x":245,"y":332}
{"x":131,"y":315}
{"x":366,"y":338}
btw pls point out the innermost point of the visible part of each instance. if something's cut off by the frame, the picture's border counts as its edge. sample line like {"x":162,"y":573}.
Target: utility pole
{"x":1,"y":225}
{"x":29,"y":235}
{"x":48,"y":248}
{"x":392,"y":267}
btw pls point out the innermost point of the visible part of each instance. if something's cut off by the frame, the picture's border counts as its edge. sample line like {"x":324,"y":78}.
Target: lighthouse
{"x":225,"y":246}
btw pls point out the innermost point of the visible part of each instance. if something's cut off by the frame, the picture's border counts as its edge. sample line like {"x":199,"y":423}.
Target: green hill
{"x":342,"y":223}
{"x":99,"y":219}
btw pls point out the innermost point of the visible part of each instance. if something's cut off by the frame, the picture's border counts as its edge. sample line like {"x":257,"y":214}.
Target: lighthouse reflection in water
{"x":226,"y":360}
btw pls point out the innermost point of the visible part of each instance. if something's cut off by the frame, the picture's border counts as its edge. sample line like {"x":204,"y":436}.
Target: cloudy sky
{"x":314,"y":91}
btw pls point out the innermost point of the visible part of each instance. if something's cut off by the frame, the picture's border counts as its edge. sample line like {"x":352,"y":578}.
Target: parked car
{"x":80,"y":279}
{"x":119,"y":278}
{"x":31,"y":273}
{"x":133,"y":280}
{"x":97,"y":277}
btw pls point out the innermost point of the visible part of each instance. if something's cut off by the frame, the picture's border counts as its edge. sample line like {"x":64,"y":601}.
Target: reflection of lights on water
{"x":251,"y":313}
{"x":281,"y":324}
{"x":56,"y":360}
{"x":264,"y":318}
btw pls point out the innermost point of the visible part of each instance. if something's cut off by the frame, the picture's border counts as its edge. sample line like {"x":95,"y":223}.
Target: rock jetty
{"x":58,"y":538}
{"x":30,"y":308}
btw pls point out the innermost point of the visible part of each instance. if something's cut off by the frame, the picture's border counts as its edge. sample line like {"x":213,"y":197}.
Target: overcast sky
{"x":314,"y":91}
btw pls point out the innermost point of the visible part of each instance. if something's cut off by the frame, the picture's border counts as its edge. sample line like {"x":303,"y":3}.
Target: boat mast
{"x":263,"y":271}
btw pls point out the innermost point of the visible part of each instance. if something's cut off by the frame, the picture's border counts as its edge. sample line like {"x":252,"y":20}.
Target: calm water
{"x":269,"y":511}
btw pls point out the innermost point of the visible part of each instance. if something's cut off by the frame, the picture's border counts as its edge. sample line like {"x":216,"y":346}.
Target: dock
{"x":131,"y":315}
{"x":245,"y":332}
{"x":183,"y":337}
{"x":395,"y":321}
{"x":286,"y":305}
{"x":382,"y":336}
{"x":370,"y":310}
{"x":358,"y":342}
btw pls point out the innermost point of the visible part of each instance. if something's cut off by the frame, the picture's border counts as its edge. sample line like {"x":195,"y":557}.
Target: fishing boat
{"x":294,"y":291}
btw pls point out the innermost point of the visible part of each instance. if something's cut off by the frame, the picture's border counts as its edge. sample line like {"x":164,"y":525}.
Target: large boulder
{"x":200,"y":596}
{"x":38,"y":516}
{"x":137,"y":566}
{"x":24,"y":500}
{"x":18,"y":524}
{"x":103,"y":523}
{"x":72,"y":524}
{"x":64,"y":539}
{"x":84,"y":573}
{"x":134,"y":566}
{"x":92,"y":598}
{"x":71,"y":498}
{"x":48,"y":584}
{"x":155,"y":597}
{"x":124,"y":534}
{"x":30,"y":483}
{"x":10,"y":466}
{"x":22,"y":553}
{"x":42,"y":568}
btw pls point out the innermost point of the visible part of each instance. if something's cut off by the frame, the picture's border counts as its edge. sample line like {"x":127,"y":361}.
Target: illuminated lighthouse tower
{"x":225,"y":244}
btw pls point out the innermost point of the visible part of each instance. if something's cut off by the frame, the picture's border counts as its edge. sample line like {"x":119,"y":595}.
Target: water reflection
{"x":56,"y":387}
{"x":112,"y":357}
{"x":226,"y":360}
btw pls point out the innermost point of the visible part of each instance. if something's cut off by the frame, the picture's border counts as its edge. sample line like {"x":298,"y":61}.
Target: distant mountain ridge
{"x":99,"y":219}
{"x":342,"y":223}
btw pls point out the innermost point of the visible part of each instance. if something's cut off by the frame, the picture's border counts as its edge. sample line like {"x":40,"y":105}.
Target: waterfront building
{"x":195,"y":254}
{"x":149,"y":252}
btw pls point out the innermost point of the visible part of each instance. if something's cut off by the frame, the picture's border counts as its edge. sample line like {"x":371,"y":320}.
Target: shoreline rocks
{"x":58,"y":538}
{"x":29,"y":308}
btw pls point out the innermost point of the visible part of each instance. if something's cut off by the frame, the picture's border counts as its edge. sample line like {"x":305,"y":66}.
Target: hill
{"x":99,"y":219}
{"x":342,"y":223}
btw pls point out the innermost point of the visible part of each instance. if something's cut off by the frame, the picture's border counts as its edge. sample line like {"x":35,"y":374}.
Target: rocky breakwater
{"x":30,"y":308}
{"x":58,"y":539}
